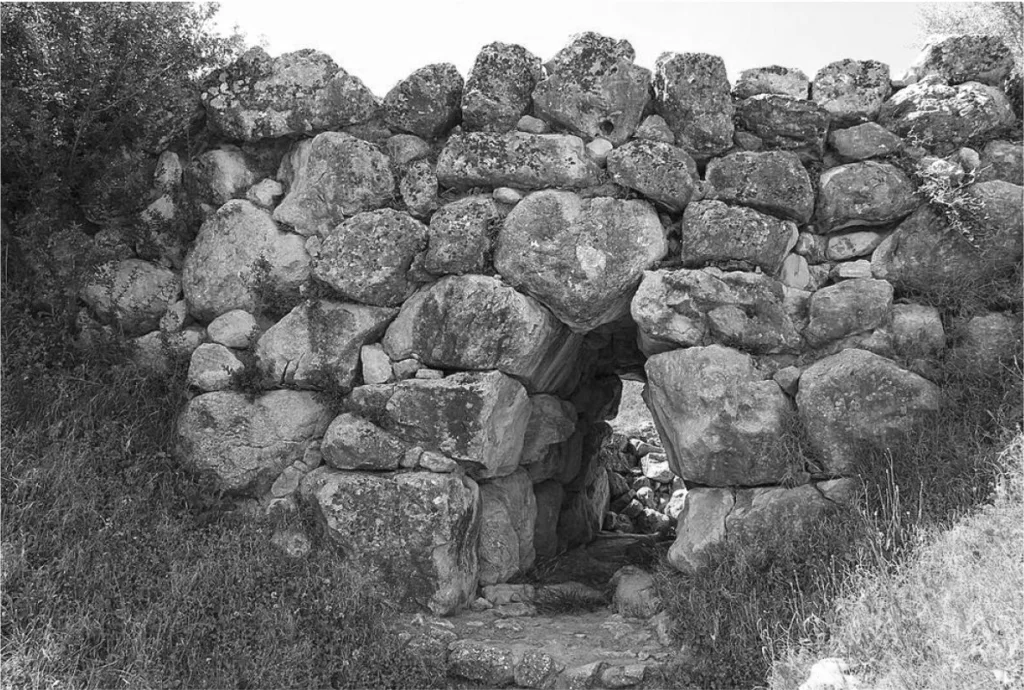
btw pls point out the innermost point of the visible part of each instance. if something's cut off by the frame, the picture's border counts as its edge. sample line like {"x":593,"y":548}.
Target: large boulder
{"x":460,"y":236}
{"x":774,"y":182}
{"x":661,"y":172}
{"x":354,"y":443}
{"x":866,"y":193}
{"x":785,"y":123}
{"x":786,"y":81}
{"x":581,"y":257}
{"x":477,"y":419}
{"x":959,"y":59}
{"x":594,"y":89}
{"x":367,"y":258}
{"x":867,"y":140}
{"x":926,"y":254}
{"x":552,"y":421}
{"x":239,"y":253}
{"x":498,"y":89}
{"x":852,"y":91}
{"x":717,"y":416}
{"x":516,"y":159}
{"x":339,"y":176}
{"x":944,"y":117}
{"x":507,"y":523}
{"x":417,"y":532}
{"x":317,"y":344}
{"x":244,"y":444}
{"x":297,"y":93}
{"x":684,"y":308}
{"x":427,"y":103}
{"x":691,"y":91}
{"x":477,"y":322}
{"x":855,"y":401}
{"x":715,"y":233}
{"x":847,"y":308}
{"x":131,"y":294}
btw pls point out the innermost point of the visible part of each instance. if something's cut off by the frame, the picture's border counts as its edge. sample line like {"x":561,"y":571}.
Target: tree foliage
{"x":87,"y":86}
{"x":1003,"y":19}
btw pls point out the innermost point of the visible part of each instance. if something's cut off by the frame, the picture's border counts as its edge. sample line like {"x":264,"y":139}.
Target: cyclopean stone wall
{"x":412,"y":313}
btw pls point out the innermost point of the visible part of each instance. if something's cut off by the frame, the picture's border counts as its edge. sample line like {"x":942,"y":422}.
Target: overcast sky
{"x":382,"y":41}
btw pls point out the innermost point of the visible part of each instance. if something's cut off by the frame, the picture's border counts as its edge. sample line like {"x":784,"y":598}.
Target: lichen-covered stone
{"x":498,"y":89}
{"x":368,"y":257}
{"x":856,"y":401}
{"x":353,"y":443}
{"x":785,"y":123}
{"x":852,"y":91}
{"x":490,"y":665}
{"x":217,"y":176}
{"x":716,"y":233}
{"x":212,"y":367}
{"x":340,"y":176}
{"x":691,"y":91}
{"x":460,"y":236}
{"x":594,"y":89}
{"x":786,"y":81}
{"x":959,"y":59}
{"x":661,"y":172}
{"x":507,"y":523}
{"x":717,"y":416}
{"x":259,"y":97}
{"x":917,"y":330}
{"x":850,"y":245}
{"x":944,"y":117}
{"x":867,"y":140}
{"x":476,"y":322}
{"x":516,"y":159}
{"x":418,"y":187}
{"x":244,"y":444}
{"x":427,"y":103}
{"x":236,"y":250}
{"x":1002,"y":160}
{"x":403,"y":149}
{"x":866,"y":193}
{"x":131,"y":294}
{"x":774,"y":182}
{"x":847,"y":308}
{"x":580,"y":257}
{"x":317,"y":344}
{"x":415,"y":531}
{"x":236,"y":328}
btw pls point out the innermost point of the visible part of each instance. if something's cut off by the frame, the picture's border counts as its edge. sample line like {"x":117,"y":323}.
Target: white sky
{"x":382,"y":41}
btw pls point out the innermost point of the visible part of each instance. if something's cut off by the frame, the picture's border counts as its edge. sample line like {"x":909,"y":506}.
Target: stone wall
{"x":412,"y":313}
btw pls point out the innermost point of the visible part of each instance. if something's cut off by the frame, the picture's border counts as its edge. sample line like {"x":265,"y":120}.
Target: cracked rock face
{"x":773,"y":182}
{"x":718,"y":234}
{"x":244,"y":445}
{"x":785,"y":123}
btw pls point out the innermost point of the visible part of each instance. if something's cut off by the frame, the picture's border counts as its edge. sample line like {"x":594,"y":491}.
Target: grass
{"x":118,"y":573}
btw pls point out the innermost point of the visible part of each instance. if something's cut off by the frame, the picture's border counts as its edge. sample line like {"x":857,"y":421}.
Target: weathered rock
{"x":691,"y":91}
{"x":654,"y":128}
{"x":460,"y":236}
{"x":508,"y":515}
{"x":548,"y":496}
{"x":218,"y":176}
{"x":594,"y":89}
{"x":716,"y":233}
{"x":959,"y":59}
{"x":498,"y":89}
{"x":317,"y":344}
{"x":774,"y":79}
{"x":403,"y":149}
{"x":917,"y":330}
{"x":684,"y":308}
{"x":340,"y":177}
{"x":131,"y":294}
{"x":656,"y":468}
{"x":866,"y":193}
{"x":852,"y":91}
{"x":159,"y":351}
{"x":297,"y":93}
{"x":988,"y":340}
{"x":774,"y":182}
{"x":856,"y":401}
{"x":492,"y":666}
{"x":796,"y":273}
{"x":213,"y":367}
{"x":265,"y":193}
{"x":868,"y":140}
{"x":850,"y":245}
{"x":427,"y":103}
{"x":375,"y":364}
{"x":943,"y":117}
{"x":236,"y":328}
{"x":635,"y":592}
{"x":925,"y":253}
{"x":661,"y":172}
{"x":552,"y":421}
{"x":245,"y":444}
{"x":418,"y":531}
{"x":476,"y":322}
{"x":236,"y":250}
{"x":516,"y":159}
{"x":586,"y":500}
{"x":1001,"y":160}
{"x":478,"y":419}
{"x":785,"y":123}
{"x":717,"y":416}
{"x":580,"y":257}
{"x":847,"y":308}
{"x":353,"y":443}
{"x":418,"y":187}
{"x":851,"y":270}
{"x":367,"y":258}
{"x":700,"y":525}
